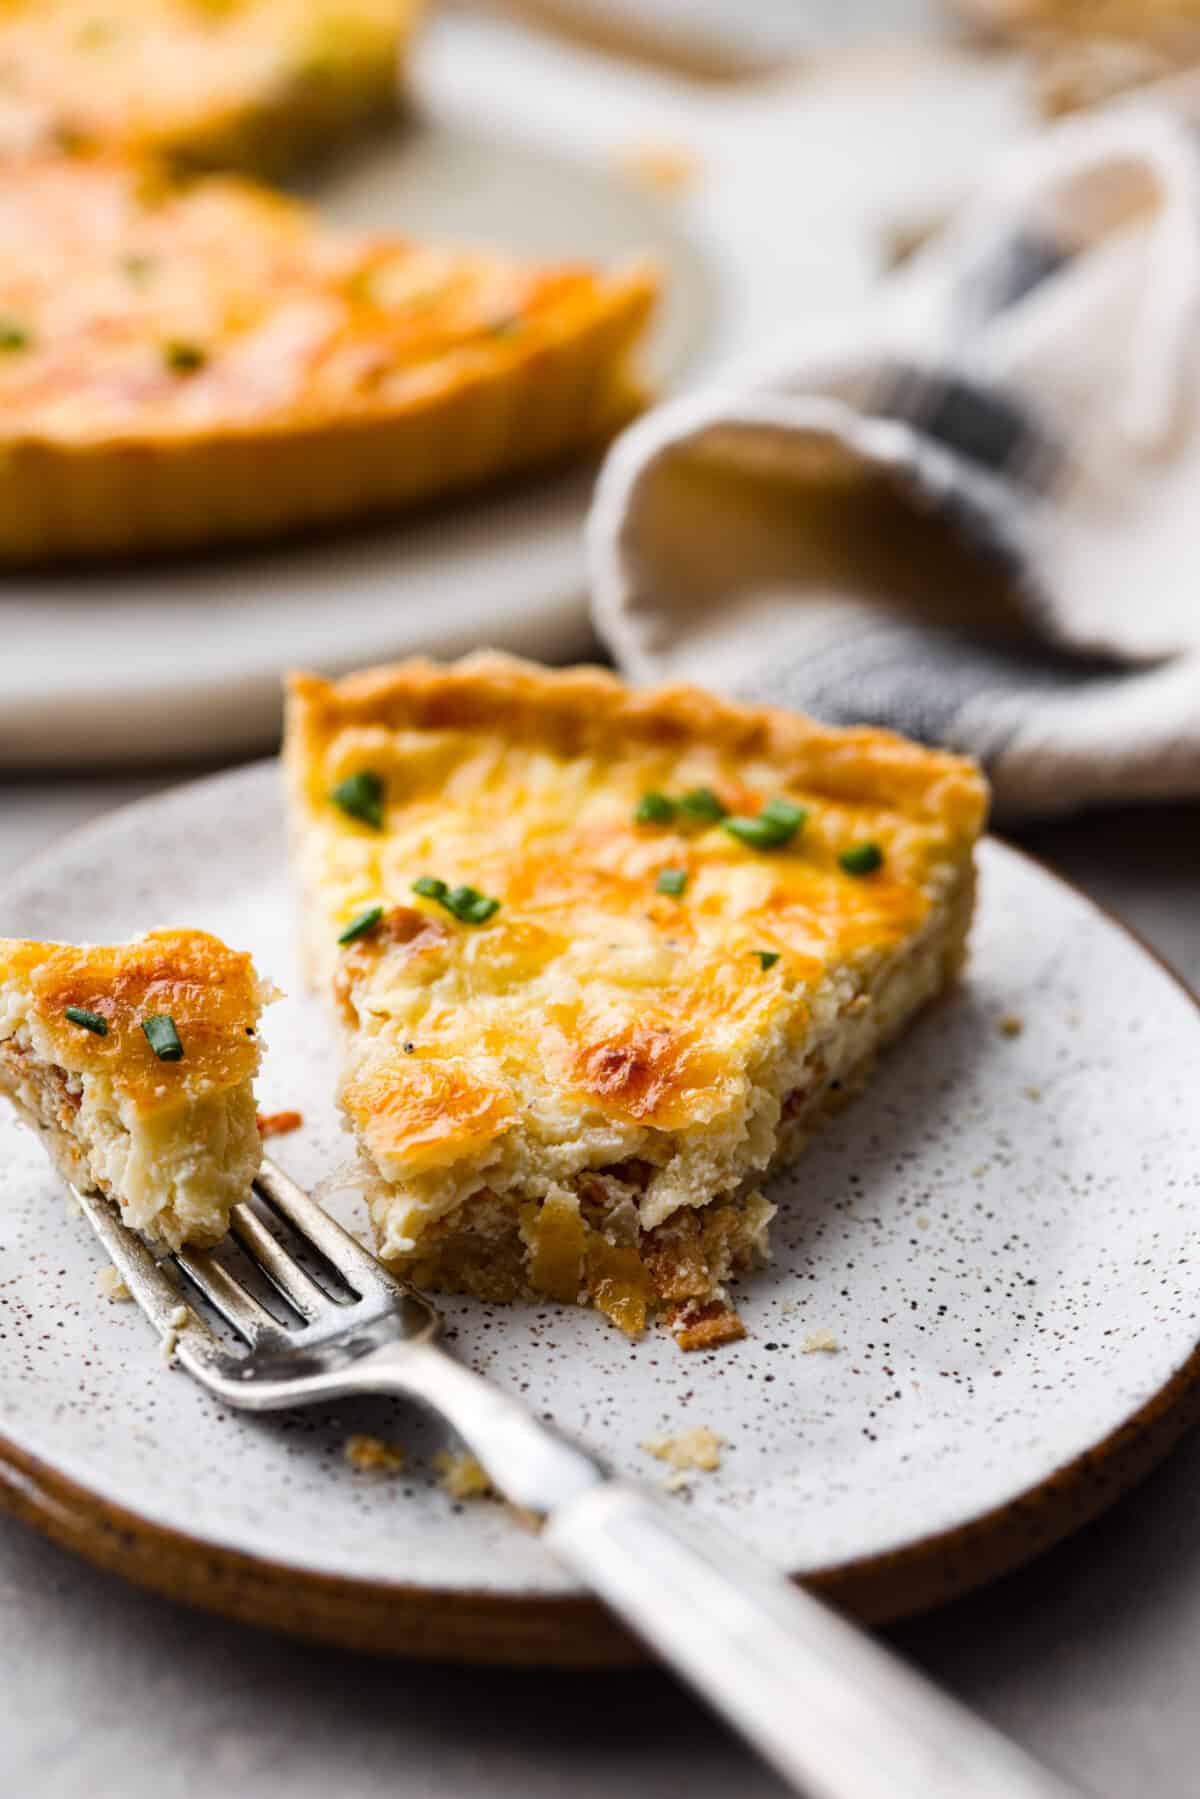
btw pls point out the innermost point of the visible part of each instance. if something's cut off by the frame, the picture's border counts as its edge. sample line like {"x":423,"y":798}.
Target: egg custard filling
{"x":135,"y":1064}
{"x":604,"y":957}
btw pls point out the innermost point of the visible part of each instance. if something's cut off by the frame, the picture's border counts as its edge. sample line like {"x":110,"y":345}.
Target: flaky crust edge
{"x":587,"y":708}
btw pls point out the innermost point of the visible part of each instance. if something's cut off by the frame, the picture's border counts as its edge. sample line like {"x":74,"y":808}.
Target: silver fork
{"x":835,"y":1713}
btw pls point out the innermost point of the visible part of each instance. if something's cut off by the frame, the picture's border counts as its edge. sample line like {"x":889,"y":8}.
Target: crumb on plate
{"x":461,"y":1475}
{"x":278,"y":1124}
{"x":821,"y":1342}
{"x":372,"y":1455}
{"x":110,"y":1285}
{"x":1009,"y":1025}
{"x":696,"y":1448}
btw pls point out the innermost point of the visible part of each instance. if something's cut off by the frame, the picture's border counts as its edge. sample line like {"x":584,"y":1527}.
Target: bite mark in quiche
{"x":135,"y":1063}
{"x":566,"y":1078}
{"x":248,"y":84}
{"x":199,"y":362}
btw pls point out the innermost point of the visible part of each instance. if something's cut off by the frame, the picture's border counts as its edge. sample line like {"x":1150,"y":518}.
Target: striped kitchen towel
{"x":970,"y":511}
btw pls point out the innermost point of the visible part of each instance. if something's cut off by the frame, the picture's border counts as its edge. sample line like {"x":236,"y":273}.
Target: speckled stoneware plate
{"x":1000,"y":1236}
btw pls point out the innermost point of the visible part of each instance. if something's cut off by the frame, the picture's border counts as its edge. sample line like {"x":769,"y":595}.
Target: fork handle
{"x":835,"y":1713}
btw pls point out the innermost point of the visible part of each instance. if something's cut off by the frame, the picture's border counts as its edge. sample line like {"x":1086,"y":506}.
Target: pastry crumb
{"x":661,"y":167}
{"x":278,"y":1124}
{"x":1032,"y":1092}
{"x":1009,"y":1025}
{"x":922,"y":1222}
{"x":820,"y":1343}
{"x":111,"y":1286}
{"x":372,"y":1455}
{"x":699,"y":1448}
{"x":461,"y":1475}
{"x":178,"y":1321}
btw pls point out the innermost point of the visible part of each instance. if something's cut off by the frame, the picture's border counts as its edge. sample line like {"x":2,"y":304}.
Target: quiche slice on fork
{"x":603,"y":958}
{"x":135,"y":1063}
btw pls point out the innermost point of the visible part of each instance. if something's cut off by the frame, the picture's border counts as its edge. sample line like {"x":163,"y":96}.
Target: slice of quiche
{"x":135,"y":1064}
{"x":251,"y":84}
{"x":603,"y":958}
{"x":204,"y":362}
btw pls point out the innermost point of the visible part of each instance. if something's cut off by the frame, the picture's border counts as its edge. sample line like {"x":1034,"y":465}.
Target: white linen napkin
{"x":970,"y":511}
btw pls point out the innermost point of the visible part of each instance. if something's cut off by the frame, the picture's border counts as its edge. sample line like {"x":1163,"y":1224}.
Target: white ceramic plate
{"x":1000,"y":1235}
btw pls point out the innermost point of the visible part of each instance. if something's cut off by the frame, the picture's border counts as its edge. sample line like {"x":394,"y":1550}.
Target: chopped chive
{"x":771,"y":828}
{"x":702,"y":802}
{"x":358,"y":927}
{"x":466,"y":904}
{"x":91,"y":1021}
{"x":13,"y":336}
{"x":470,"y":906}
{"x":767,"y":957}
{"x":672,"y":881}
{"x":862,"y":859}
{"x":785,"y":814}
{"x":654,"y":809}
{"x":360,"y":796}
{"x":184,"y":359}
{"x":163,"y":1038}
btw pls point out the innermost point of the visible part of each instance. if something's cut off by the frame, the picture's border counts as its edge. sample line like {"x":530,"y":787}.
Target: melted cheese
{"x":593,"y":1018}
{"x":203,"y":79}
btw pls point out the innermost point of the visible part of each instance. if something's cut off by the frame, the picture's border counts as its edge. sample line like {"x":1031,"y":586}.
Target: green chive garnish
{"x":13,"y":336}
{"x":470,"y":906}
{"x":163,"y":1038}
{"x":91,"y":1021}
{"x":654,"y":809}
{"x":672,"y":881}
{"x":767,"y":957}
{"x":785,"y":814}
{"x":184,"y":359}
{"x":360,"y":796}
{"x":702,"y":802}
{"x":466,"y":904}
{"x":358,"y":927}
{"x":863,"y":859}
{"x":774,"y":826}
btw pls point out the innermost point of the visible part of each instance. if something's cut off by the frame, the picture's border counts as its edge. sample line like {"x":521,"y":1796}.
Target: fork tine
{"x":138,"y":1268}
{"x":239,"y":1308}
{"x":284,"y":1273}
{"x":356,"y":1265}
